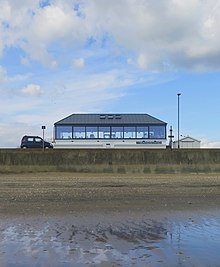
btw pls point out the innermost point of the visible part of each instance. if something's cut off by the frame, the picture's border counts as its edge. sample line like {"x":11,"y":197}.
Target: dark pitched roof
{"x":109,"y":119}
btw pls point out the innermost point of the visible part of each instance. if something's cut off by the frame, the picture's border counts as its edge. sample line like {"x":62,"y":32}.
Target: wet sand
{"x":53,"y":193}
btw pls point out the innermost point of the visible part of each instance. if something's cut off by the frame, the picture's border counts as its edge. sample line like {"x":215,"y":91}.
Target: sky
{"x":59,"y":57}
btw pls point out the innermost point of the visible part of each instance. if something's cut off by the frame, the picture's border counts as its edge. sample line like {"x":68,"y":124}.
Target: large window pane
{"x":91,"y":132}
{"x":157,"y":132}
{"x":142,"y":132}
{"x":117,"y":132}
{"x":129,"y":132}
{"x":64,"y":132}
{"x":104,"y":132}
{"x":79,"y":132}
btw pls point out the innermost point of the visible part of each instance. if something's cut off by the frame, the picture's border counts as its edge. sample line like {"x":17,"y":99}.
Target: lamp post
{"x":178,"y":107}
{"x":43,"y":128}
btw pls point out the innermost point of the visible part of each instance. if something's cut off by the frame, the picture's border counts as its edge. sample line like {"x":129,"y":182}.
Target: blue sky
{"x":122,"y":56}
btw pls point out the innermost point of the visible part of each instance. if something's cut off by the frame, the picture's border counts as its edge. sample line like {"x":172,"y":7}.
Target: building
{"x":110,"y":131}
{"x":187,"y":142}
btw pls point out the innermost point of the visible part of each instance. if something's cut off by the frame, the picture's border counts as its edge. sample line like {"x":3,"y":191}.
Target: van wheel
{"x":24,"y":147}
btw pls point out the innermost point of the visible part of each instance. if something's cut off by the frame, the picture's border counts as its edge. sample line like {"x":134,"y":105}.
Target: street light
{"x":43,"y":128}
{"x":178,"y":98}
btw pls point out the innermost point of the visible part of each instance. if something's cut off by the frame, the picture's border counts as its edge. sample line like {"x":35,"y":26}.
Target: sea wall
{"x":110,"y":161}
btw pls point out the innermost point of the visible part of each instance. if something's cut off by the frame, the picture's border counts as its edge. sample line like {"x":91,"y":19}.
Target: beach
{"x":49,"y":193}
{"x":84,"y":219}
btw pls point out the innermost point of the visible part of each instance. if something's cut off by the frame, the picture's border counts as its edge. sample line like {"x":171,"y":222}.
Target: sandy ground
{"x":53,"y":193}
{"x":100,"y":220}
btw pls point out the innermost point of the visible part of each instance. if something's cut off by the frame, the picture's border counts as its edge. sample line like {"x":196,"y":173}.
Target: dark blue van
{"x":34,"y":142}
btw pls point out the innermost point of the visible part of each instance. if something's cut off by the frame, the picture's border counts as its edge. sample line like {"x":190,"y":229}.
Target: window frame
{"x":159,"y":137}
{"x":111,"y":129}
{"x":57,"y":131}
{"x":83,"y":132}
{"x":142,"y":126}
{"x":135,"y":132}
{"x":97,"y":132}
{"x":106,"y":126}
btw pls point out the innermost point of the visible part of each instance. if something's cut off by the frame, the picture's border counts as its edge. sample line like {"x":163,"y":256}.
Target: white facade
{"x":187,"y":142}
{"x":120,"y":144}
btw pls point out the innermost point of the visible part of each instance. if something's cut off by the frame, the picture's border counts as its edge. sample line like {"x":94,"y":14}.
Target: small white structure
{"x":187,"y":142}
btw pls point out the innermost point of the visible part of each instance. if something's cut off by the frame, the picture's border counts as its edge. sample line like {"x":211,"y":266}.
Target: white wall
{"x":187,"y":143}
{"x":110,"y":143}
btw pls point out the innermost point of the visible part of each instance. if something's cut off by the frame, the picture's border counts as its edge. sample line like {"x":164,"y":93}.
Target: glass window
{"x":38,"y":140}
{"x":157,"y":132}
{"x":79,"y":132}
{"x":104,"y":132}
{"x":142,"y":132}
{"x":64,"y":132}
{"x":129,"y":132}
{"x":91,"y":132}
{"x":117,"y":132}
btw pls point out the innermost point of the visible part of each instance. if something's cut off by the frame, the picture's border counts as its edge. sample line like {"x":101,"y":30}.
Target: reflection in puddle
{"x":67,"y":242}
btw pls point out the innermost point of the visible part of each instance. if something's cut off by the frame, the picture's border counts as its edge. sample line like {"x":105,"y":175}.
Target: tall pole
{"x":178,"y":98}
{"x":43,"y":128}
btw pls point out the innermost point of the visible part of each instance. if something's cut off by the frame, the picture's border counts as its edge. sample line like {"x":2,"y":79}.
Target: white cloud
{"x":206,"y":143}
{"x":11,"y":106}
{"x":56,"y":23}
{"x":79,"y":63}
{"x":25,"y":61}
{"x":6,"y":79}
{"x":152,"y":35}
{"x":173,"y":31}
{"x":7,"y":139}
{"x":77,"y":93}
{"x":10,"y":135}
{"x":143,"y":61}
{"x":3,"y":75}
{"x":32,"y":89}
{"x":184,"y":33}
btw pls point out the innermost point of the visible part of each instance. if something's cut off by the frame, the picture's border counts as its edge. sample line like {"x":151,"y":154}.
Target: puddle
{"x":69,"y":241}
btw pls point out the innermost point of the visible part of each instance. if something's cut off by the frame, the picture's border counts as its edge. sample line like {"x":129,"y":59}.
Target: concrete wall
{"x":110,"y":161}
